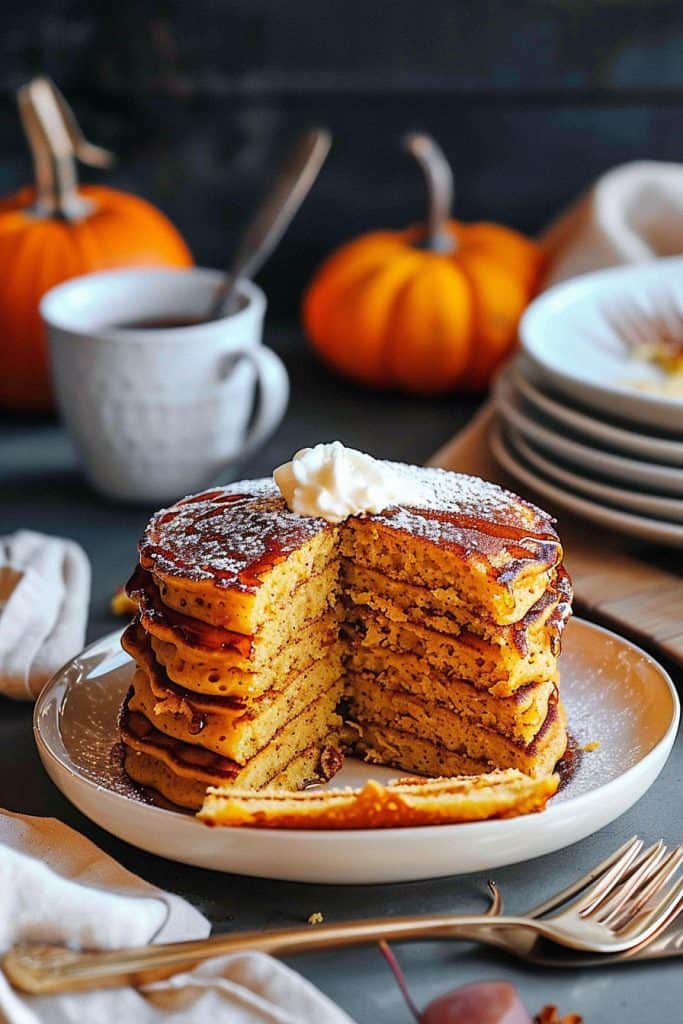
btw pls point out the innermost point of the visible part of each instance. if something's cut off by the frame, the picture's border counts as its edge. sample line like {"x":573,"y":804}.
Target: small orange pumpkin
{"x":426,"y":309}
{"x":57,"y":230}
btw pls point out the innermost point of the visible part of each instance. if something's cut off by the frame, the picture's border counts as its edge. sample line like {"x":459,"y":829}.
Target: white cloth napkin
{"x":631,"y":214}
{"x":57,"y":886}
{"x":44,"y":595}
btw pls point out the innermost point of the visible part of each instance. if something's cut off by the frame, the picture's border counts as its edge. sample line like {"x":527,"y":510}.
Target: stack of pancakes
{"x":432,"y":631}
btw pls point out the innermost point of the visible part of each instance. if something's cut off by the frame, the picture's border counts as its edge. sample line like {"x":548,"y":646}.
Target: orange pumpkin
{"x":426,"y":309}
{"x":57,"y":230}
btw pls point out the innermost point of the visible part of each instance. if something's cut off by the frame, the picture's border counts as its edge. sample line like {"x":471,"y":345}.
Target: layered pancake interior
{"x":268,"y":644}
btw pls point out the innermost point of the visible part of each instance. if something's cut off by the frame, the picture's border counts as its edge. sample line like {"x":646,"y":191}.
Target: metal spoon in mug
{"x":274,"y":215}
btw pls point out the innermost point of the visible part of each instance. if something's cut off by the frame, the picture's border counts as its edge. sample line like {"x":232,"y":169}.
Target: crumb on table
{"x":549,"y":1015}
{"x":590,"y":747}
{"x":315,"y":918}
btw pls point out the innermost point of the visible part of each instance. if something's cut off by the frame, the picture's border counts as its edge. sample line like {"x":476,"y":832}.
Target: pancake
{"x":235,"y":547}
{"x":307,"y":602}
{"x":204,"y":671}
{"x":431,"y":739}
{"x":443,"y":611}
{"x":518,"y":716}
{"x":181,"y":771}
{"x":464,"y":655}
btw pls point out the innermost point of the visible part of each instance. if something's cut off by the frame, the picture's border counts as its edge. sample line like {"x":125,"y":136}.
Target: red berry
{"x":482,"y":1002}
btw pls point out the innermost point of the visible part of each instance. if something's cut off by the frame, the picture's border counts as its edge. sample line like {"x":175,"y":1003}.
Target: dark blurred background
{"x":531,"y":99}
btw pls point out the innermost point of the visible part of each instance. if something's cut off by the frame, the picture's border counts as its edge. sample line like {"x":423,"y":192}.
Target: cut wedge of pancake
{"x":400,"y":804}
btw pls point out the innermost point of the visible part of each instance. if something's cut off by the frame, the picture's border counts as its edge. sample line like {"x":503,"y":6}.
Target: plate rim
{"x":606,"y":432}
{"x":658,"y":531}
{"x":584,"y":453}
{"x":331,"y":835}
{"x":573,"y":479}
{"x":555,"y":301}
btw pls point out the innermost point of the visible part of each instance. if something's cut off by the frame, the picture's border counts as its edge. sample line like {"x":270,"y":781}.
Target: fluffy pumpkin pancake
{"x":205,"y":671}
{"x":231,"y":545}
{"x":376,"y":706}
{"x":465,"y":656}
{"x":317,"y":560}
{"x":230,"y":726}
{"x":444,"y":611}
{"x":189,"y":791}
{"x":181,"y":771}
{"x":518,"y":716}
{"x":386,"y":744}
{"x":309,"y":602}
{"x":232,"y":553}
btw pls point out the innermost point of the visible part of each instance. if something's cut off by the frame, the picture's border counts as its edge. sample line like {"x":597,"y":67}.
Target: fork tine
{"x":605,"y":885}
{"x":658,"y":850}
{"x":638,"y":878}
{"x":668,"y":907}
{"x":653,"y":886}
{"x":582,"y":883}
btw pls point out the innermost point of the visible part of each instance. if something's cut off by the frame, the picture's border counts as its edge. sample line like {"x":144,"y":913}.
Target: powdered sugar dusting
{"x":229,"y":534}
{"x":226,"y":535}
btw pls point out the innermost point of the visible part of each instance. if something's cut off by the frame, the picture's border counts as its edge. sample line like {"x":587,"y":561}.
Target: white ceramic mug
{"x":160,"y":412}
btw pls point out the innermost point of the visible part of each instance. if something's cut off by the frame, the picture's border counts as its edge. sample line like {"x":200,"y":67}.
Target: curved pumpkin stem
{"x":55,"y":139}
{"x":439,"y":181}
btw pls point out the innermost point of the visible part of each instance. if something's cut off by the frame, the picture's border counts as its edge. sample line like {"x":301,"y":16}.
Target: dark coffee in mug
{"x":159,"y":323}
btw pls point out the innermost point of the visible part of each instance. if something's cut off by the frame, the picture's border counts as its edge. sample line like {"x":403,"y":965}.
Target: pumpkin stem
{"x":55,"y":139}
{"x":439,"y":181}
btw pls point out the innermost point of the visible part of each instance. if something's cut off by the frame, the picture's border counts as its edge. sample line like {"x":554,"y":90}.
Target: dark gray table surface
{"x":41,"y":488}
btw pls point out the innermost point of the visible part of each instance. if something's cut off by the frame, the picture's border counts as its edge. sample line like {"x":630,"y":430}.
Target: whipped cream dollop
{"x":333,"y":482}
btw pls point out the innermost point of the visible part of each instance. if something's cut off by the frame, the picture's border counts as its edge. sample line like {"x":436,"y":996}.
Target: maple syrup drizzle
{"x":218,"y":496}
{"x":550,"y":719}
{"x":569,"y":763}
{"x":144,"y":736}
{"x":183,"y":542}
{"x":198,"y":723}
{"x":184,"y":547}
{"x":193,"y":631}
{"x":490,"y":528}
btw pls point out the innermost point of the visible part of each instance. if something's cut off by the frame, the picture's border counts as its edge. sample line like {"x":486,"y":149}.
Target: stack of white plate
{"x":574,"y":422}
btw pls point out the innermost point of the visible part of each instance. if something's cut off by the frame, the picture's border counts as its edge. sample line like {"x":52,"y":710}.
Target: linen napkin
{"x":57,"y":886}
{"x":44,"y":595}
{"x":631,"y":214}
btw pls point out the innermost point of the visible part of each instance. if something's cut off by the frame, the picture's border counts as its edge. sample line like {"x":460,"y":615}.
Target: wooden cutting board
{"x":629,"y":586}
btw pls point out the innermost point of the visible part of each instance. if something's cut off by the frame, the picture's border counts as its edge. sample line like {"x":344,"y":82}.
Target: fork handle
{"x":43,"y":970}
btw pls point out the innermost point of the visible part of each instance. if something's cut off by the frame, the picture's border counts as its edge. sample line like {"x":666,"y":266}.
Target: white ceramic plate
{"x":592,"y":429}
{"x":657,"y":507}
{"x":656,"y":531}
{"x":555,"y":440}
{"x":614,"y":693}
{"x":581,"y":335}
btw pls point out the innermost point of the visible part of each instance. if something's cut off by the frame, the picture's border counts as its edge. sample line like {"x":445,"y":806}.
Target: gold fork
{"x":666,"y":941}
{"x":620,"y":905}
